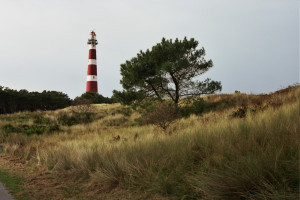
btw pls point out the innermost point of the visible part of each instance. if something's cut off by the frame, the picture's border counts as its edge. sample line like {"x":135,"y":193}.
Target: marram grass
{"x":254,"y":158}
{"x":213,"y":156}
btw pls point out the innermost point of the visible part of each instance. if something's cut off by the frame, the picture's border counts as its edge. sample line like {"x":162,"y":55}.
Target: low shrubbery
{"x":162,"y":115}
{"x":46,"y":124}
{"x":257,"y":105}
{"x":240,"y":112}
{"x":30,"y":129}
{"x":95,"y":98}
{"x":126,"y":111}
{"x":69,"y":119}
{"x":194,"y":106}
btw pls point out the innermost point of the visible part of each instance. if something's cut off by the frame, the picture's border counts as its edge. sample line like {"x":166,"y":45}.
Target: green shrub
{"x":85,"y":117}
{"x":145,"y":106}
{"x":39,"y":119}
{"x":23,"y":117}
{"x":126,"y":111}
{"x":138,"y":121}
{"x":30,"y":129}
{"x":197,"y":107}
{"x":8,"y":128}
{"x":66,"y":119}
{"x":33,"y":129}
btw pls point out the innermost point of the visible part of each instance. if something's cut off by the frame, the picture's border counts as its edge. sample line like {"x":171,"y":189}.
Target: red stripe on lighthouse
{"x":92,"y":70}
{"x":91,"y":86}
{"x":92,"y":54}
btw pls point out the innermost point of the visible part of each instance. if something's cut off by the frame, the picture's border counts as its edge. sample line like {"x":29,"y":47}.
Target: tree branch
{"x":170,"y":95}
{"x":154,"y":89}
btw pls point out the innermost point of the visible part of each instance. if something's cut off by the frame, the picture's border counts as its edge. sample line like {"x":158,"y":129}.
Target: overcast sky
{"x":254,"y":44}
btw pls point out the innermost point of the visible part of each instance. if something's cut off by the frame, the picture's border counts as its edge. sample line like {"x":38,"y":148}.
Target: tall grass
{"x":213,"y":156}
{"x":254,"y":158}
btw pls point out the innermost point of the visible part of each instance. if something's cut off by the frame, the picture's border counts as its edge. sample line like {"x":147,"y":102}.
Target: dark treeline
{"x":14,"y":101}
{"x":95,"y":98}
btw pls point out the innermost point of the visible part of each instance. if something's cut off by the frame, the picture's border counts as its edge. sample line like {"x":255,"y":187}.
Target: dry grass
{"x":213,"y":156}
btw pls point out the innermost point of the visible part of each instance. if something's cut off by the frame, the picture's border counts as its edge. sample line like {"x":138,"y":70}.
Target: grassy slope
{"x":213,"y":156}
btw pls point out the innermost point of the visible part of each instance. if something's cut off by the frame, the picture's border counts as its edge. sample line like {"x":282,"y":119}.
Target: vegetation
{"x":163,"y":115}
{"x":14,"y":101}
{"x":168,"y":70}
{"x":93,"y":97}
{"x":216,"y":154}
{"x":13,"y":182}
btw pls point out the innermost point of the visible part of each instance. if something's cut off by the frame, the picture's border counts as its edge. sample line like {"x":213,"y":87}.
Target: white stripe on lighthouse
{"x":91,"y":78}
{"x":92,"y":62}
{"x":92,"y":46}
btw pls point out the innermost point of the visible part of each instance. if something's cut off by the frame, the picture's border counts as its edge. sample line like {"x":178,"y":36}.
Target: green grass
{"x":14,"y":184}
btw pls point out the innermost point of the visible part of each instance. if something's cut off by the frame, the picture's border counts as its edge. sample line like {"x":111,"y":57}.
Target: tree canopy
{"x":15,"y":101}
{"x":169,"y":70}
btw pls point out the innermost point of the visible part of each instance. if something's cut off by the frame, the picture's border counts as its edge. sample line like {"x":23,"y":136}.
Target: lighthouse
{"x":91,"y":81}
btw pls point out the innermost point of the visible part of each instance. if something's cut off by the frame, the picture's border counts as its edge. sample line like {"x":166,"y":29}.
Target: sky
{"x":254,"y":44}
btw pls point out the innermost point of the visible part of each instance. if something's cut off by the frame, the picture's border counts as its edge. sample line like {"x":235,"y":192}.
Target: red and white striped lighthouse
{"x":91,"y":81}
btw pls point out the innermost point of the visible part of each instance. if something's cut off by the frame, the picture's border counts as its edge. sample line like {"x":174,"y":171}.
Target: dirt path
{"x":4,"y":195}
{"x":40,"y":183}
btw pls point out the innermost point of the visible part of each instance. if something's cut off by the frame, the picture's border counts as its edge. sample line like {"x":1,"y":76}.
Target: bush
{"x":33,"y":129}
{"x":94,"y":97}
{"x":146,"y":106}
{"x":8,"y":128}
{"x":85,"y":117}
{"x":82,"y":106}
{"x":30,"y":129}
{"x":125,"y":111}
{"x":197,"y":107}
{"x":240,"y":112}
{"x":162,"y":115}
{"x":66,"y":119}
{"x":39,"y":119}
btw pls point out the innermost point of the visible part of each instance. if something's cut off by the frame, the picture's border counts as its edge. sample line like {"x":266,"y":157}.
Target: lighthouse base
{"x":91,"y":86}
